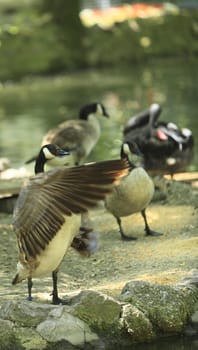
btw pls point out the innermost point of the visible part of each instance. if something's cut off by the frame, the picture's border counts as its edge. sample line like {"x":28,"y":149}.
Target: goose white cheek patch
{"x":47,"y":153}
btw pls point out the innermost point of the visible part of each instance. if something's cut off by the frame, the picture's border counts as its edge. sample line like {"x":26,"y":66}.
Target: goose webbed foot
{"x":123,"y":235}
{"x":57,"y":301}
{"x":29,"y":298}
{"x":127,"y":238}
{"x":147,"y":229}
{"x":150,"y":232}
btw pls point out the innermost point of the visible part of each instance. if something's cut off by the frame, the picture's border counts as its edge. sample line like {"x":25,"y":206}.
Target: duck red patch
{"x":161,"y":135}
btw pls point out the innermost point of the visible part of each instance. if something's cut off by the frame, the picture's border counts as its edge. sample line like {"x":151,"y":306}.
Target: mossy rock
{"x":136,"y":324}
{"x":8,"y":339}
{"x":165,"y":306}
{"x":99,"y":311}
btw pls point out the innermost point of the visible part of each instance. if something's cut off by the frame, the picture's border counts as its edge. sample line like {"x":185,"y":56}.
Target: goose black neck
{"x":40,"y":162}
{"x":86,"y":111}
{"x":153,"y":116}
{"x":125,"y":156}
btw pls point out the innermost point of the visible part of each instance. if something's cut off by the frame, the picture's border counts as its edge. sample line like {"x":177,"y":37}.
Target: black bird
{"x":166,"y":148}
{"x":48,"y":211}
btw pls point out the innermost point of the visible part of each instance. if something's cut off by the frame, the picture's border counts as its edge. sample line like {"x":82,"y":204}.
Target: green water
{"x":29,"y":108}
{"x":172,"y":343}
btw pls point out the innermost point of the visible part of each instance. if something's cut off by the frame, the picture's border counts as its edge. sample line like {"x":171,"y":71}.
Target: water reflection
{"x":29,"y":109}
{"x":171,"y":343}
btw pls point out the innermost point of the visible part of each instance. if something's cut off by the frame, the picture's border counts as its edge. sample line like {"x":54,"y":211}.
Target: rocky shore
{"x":125,"y":293}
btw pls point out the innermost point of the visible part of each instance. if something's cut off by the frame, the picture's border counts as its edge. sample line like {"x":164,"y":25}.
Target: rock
{"x":25,"y":313}
{"x":62,"y":345}
{"x":63,"y":326}
{"x":8,"y":339}
{"x":190,"y":280}
{"x":100,"y":311}
{"x":29,"y":338}
{"x":194,"y":318}
{"x":145,"y":311}
{"x":193,"y":321}
{"x":163,"y":305}
{"x":136,"y":324}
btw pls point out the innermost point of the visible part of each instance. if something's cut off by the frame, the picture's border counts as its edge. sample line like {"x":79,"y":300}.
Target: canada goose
{"x":166,"y":148}
{"x":132,"y":195}
{"x":48,"y":211}
{"x":78,"y":136}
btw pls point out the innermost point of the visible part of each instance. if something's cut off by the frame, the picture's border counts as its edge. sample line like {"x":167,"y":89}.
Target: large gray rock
{"x":60,"y":325}
{"x":136,"y":324}
{"x":165,"y":306}
{"x":25,"y":313}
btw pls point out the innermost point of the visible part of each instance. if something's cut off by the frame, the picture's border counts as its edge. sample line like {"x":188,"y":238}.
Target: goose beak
{"x":62,"y":152}
{"x":62,"y":157}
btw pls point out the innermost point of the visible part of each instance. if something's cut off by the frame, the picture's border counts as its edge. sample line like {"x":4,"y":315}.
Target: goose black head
{"x":93,"y":108}
{"x":52,"y":155}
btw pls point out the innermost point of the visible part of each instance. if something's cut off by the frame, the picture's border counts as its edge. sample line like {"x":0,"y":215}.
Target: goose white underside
{"x":51,"y":257}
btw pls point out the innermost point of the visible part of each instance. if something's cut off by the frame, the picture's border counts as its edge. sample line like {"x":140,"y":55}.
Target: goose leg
{"x":123,"y":236}
{"x":147,"y":229}
{"x":29,"y":285}
{"x":55,"y":299}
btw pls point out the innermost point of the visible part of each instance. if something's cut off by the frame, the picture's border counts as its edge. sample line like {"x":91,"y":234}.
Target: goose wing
{"x":49,"y":197}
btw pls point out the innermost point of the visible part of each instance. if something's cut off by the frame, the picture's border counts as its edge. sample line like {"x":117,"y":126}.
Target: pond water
{"x":173,"y":343}
{"x":31,"y":107}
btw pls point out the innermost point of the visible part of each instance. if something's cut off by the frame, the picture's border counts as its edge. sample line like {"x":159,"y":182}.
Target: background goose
{"x":78,"y":136}
{"x":166,"y":148}
{"x":47,"y":213}
{"x":132,"y":195}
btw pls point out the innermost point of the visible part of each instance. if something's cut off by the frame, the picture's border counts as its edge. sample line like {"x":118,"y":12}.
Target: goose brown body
{"x":132,"y":195}
{"x":80,"y":135}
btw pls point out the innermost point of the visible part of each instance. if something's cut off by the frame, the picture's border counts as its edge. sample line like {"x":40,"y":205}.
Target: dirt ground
{"x":163,"y":259}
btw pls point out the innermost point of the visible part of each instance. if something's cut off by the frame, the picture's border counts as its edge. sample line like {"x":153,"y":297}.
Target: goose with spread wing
{"x":48,"y":211}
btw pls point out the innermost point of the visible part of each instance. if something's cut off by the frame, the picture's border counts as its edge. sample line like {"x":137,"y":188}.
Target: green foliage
{"x":27,"y":43}
{"x":34,"y":41}
{"x":140,"y":40}
{"x":70,"y":32}
{"x":39,"y":37}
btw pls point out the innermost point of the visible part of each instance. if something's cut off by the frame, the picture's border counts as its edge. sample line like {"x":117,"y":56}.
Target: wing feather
{"x":48,"y":197}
